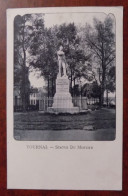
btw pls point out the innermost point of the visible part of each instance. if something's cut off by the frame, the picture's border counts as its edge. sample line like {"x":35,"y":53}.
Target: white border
{"x":99,"y":169}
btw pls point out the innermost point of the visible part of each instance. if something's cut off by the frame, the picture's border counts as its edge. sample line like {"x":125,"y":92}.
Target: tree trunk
{"x":74,"y":87}
{"x":52,"y":87}
{"x":107,"y":96}
{"x":102,"y":94}
{"x":71,"y":82}
{"x":23,"y":90}
{"x":102,"y":89}
{"x":48,"y":90}
{"x":103,"y":77}
{"x":102,"y":97}
{"x":24,"y":83}
{"x":25,"y":94}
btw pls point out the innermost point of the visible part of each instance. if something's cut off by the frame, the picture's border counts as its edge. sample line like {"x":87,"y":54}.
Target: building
{"x":36,"y":95}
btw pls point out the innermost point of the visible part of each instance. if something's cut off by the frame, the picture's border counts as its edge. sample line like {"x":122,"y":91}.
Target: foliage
{"x":101,"y":41}
{"x":110,"y":80}
{"x":35,"y":47}
{"x":91,"y":90}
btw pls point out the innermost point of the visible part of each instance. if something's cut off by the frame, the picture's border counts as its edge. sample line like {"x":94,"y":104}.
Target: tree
{"x":26,"y":28}
{"x":46,"y":58}
{"x":101,"y":41}
{"x":110,"y":82}
{"x":91,"y":90}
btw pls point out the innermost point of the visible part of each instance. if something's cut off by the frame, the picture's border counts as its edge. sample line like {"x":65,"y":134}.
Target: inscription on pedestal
{"x":62,"y":85}
{"x":62,"y":81}
{"x":62,"y":89}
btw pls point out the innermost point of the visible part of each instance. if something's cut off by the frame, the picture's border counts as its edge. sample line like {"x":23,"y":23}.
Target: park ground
{"x":98,"y":125}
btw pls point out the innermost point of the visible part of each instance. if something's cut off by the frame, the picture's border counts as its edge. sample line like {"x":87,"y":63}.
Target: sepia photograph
{"x":64,"y":76}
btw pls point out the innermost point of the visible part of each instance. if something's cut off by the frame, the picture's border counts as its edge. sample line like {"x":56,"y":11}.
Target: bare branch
{"x":110,"y":60}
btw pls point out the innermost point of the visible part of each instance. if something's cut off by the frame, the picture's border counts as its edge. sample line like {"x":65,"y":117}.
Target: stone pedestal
{"x":62,"y":102}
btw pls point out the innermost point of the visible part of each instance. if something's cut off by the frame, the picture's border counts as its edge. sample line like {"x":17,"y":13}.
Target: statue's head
{"x":61,"y":47}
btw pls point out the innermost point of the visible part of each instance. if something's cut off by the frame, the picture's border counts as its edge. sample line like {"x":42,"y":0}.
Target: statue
{"x":62,"y":101}
{"x":62,"y":62}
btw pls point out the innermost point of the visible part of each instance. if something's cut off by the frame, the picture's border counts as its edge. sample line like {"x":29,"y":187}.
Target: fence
{"x":18,"y":105}
{"x":80,"y":102}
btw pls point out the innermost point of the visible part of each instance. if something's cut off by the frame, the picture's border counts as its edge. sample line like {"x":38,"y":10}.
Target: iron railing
{"x":80,"y":102}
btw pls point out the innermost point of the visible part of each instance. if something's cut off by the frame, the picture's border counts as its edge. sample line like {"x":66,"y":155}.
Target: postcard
{"x":64,"y":98}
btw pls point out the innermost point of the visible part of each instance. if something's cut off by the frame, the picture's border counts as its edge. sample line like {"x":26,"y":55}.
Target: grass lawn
{"x":100,"y":119}
{"x":94,"y":125}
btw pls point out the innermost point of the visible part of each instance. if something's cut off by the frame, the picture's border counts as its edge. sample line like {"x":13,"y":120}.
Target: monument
{"x":62,"y":101}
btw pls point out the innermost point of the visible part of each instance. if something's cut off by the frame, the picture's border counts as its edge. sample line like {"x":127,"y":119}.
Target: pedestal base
{"x":62,"y":101}
{"x":73,"y":110}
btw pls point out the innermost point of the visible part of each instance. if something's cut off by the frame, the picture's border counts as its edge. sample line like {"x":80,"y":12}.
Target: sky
{"x":35,"y":80}
{"x":77,"y":18}
{"x":58,"y":19}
